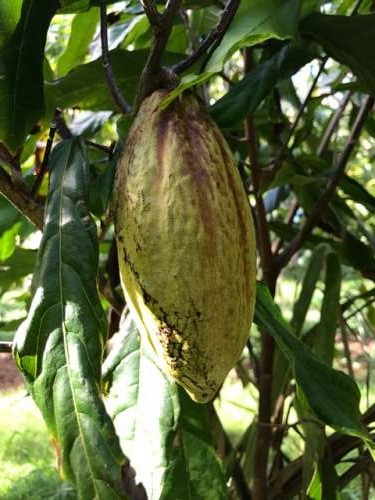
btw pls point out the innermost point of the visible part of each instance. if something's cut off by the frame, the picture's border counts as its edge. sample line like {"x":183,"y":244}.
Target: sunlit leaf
{"x":255,"y":22}
{"x":81,"y":33}
{"x":164,"y":433}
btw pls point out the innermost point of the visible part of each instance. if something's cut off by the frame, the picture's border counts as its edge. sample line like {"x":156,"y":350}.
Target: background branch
{"x":214,"y":38}
{"x":283,"y":259}
{"x":112,"y":85}
{"x":21,"y":199}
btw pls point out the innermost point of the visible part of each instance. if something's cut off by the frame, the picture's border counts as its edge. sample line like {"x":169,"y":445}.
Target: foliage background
{"x":289,"y":85}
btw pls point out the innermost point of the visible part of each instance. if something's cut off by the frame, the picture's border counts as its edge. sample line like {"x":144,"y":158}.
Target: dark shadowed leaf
{"x":21,"y":72}
{"x":101,"y":185}
{"x":59,"y":346}
{"x":348,"y":39}
{"x":244,"y":97}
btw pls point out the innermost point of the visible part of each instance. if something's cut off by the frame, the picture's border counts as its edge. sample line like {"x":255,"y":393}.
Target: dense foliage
{"x":290,"y":84}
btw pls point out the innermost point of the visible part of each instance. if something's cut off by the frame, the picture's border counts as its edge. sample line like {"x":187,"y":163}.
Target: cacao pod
{"x":186,"y":242}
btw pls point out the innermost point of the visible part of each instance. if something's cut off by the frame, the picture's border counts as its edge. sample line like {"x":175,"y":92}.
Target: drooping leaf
{"x":244,"y":97}
{"x":348,"y":39}
{"x":21,"y":72}
{"x":81,"y":33}
{"x":332,"y":395}
{"x":143,"y":403}
{"x":59,"y":346}
{"x":255,"y":22}
{"x":164,"y":433}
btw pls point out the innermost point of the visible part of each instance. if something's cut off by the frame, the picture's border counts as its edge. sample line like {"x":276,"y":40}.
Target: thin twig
{"x":21,"y":199}
{"x":352,"y":300}
{"x":111,"y":82}
{"x":297,"y":242}
{"x":214,"y":37}
{"x":345,"y":341}
{"x":302,"y":108}
{"x":107,"y":150}
{"x":47,"y":152}
{"x":333,"y":124}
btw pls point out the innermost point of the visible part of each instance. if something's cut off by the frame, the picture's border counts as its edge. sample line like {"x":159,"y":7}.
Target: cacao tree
{"x":284,"y":91}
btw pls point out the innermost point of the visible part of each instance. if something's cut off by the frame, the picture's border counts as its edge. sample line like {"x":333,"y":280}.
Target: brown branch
{"x":302,"y":109}
{"x":361,"y":465}
{"x":345,"y":341}
{"x":264,"y":434}
{"x":111,"y":82}
{"x":47,"y":152}
{"x":214,"y":37}
{"x":21,"y":199}
{"x":297,"y":242}
{"x":153,"y":75}
{"x":288,"y":482}
{"x":333,"y":124}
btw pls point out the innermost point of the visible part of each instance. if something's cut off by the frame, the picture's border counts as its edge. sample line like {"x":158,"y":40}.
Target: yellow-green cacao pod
{"x":186,"y":242}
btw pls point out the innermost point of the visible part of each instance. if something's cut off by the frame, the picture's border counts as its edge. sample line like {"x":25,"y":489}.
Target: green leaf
{"x":332,"y":395}
{"x":15,"y":268}
{"x":143,"y":403}
{"x":348,"y":39}
{"x":21,"y":72}
{"x":86,"y":87}
{"x":244,"y":97}
{"x":101,"y":185}
{"x":8,"y":241}
{"x":255,"y":22}
{"x":309,"y":283}
{"x":324,"y":334}
{"x":194,"y":464}
{"x":164,"y":433}
{"x":59,"y":347}
{"x":9,"y":15}
{"x":81,"y":33}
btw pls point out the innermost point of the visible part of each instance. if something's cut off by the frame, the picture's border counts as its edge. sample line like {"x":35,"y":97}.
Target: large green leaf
{"x":81,"y":33}
{"x":348,"y":39}
{"x":244,"y":97}
{"x":255,"y":22}
{"x":164,"y":433}
{"x":330,"y":394}
{"x":86,"y":86}
{"x":21,"y":72}
{"x":59,"y":346}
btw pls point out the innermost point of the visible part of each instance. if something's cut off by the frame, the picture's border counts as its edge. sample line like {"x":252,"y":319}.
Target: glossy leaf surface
{"x":59,"y":346}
